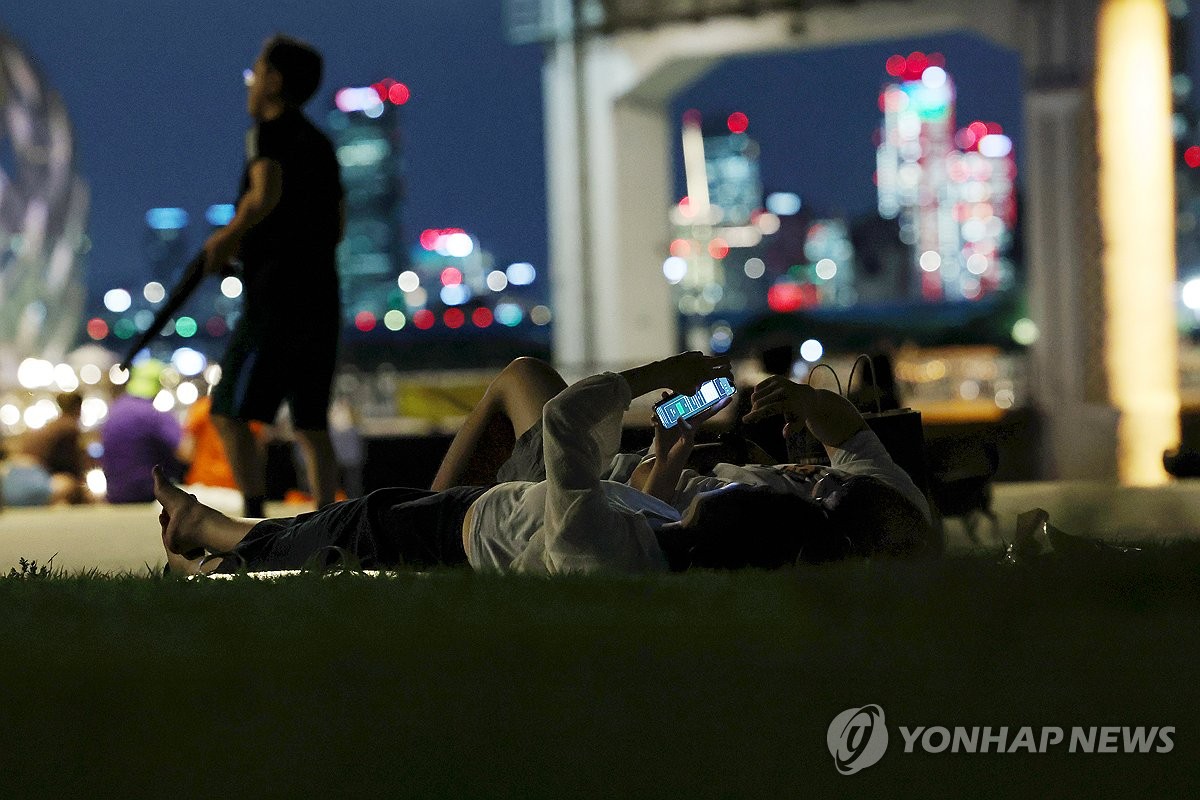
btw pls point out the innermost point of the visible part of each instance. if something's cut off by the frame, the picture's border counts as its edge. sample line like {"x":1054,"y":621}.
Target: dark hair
{"x":298,"y":63}
{"x":70,"y":403}
{"x":752,"y":526}
{"x":877,"y":519}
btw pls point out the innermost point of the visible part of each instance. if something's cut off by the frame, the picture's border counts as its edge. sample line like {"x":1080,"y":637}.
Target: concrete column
{"x":608,"y":157}
{"x":1064,"y":284}
{"x":570,"y":278}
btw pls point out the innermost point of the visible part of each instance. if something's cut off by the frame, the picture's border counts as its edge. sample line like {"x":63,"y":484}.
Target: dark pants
{"x":386,"y":528}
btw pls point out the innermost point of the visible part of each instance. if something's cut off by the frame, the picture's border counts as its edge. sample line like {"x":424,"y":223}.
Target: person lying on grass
{"x":573,"y":521}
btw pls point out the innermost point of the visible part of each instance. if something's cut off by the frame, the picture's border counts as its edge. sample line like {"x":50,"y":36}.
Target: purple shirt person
{"x":136,"y":436}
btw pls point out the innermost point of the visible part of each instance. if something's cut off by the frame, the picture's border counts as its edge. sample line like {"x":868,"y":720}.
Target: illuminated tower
{"x":721,"y":218}
{"x":952,"y":193}
{"x":366,"y":135}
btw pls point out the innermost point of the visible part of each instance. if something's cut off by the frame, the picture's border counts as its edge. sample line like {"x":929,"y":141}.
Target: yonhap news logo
{"x":858,"y":738}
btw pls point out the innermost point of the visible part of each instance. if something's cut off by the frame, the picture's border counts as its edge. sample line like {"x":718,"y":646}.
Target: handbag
{"x":899,"y":429}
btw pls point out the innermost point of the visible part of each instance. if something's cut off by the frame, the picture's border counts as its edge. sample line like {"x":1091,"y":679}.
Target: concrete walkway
{"x":126,"y":538}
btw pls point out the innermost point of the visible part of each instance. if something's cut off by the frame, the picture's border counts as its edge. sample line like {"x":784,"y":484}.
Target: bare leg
{"x":321,"y":462}
{"x":188,"y":525}
{"x":513,"y":401}
{"x":246,"y":457}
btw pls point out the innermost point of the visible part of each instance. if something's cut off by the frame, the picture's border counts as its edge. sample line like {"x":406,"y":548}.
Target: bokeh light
{"x":117,"y":300}
{"x":394,"y":320}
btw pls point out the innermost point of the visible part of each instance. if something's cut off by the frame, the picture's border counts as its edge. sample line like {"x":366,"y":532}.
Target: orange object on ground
{"x":209,"y":465}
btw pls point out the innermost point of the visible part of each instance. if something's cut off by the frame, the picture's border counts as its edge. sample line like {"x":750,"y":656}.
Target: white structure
{"x":43,"y":213}
{"x":608,"y":151}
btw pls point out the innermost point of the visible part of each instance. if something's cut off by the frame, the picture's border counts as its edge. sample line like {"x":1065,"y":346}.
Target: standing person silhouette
{"x":290,"y":216}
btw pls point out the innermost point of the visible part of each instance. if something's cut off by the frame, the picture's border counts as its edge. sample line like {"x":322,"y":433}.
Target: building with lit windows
{"x":365,"y":128}
{"x":951,"y":191}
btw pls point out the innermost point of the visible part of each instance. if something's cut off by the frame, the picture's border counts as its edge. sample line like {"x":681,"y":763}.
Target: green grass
{"x":698,"y":685}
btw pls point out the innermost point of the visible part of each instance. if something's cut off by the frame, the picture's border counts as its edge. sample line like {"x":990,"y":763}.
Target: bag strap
{"x":832,"y":372}
{"x":874,"y":380}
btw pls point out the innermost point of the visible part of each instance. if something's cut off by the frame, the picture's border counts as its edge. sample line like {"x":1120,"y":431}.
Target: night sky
{"x":158,"y":104}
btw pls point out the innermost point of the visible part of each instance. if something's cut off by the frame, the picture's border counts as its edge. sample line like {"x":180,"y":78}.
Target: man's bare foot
{"x":189,"y":527}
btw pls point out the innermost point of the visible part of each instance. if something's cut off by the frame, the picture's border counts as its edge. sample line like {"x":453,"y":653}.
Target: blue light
{"x":167,"y":219}
{"x":783,"y":204}
{"x":509,"y":314}
{"x":220,"y":214}
{"x":521,"y":273}
{"x":455,"y":294}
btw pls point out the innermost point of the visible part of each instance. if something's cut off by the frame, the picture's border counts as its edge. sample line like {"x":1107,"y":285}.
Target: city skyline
{"x":162,"y":125}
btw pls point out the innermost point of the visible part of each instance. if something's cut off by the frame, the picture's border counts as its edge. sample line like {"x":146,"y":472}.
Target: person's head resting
{"x":755,"y":526}
{"x":878,"y":520}
{"x":70,"y":404}
{"x":743,"y":526}
{"x":286,"y":74}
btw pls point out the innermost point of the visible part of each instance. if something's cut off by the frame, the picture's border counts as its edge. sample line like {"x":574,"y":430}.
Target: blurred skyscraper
{"x":365,"y":127}
{"x":953,"y":192}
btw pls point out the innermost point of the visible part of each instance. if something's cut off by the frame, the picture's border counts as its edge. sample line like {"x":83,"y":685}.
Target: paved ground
{"x":116,"y":538}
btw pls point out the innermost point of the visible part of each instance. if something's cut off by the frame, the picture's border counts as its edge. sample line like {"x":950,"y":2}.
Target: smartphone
{"x":682,"y":406}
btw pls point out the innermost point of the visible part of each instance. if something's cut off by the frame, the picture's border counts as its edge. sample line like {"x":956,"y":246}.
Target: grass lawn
{"x":698,"y":685}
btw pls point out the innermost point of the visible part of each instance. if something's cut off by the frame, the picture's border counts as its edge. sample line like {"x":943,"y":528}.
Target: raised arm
{"x":581,"y":432}
{"x":682,"y":373}
{"x":832,"y":418}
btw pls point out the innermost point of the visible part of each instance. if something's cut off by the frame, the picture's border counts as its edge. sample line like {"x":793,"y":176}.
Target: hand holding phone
{"x":680,"y":406}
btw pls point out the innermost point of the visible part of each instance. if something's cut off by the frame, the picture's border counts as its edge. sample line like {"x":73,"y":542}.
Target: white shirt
{"x":573,"y":521}
{"x":576,"y":522}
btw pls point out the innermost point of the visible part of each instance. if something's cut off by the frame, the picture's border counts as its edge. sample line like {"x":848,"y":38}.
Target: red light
{"x":681,"y":248}
{"x":481,"y":317}
{"x":737,"y":122}
{"x":685,"y":208}
{"x":1191,"y":157}
{"x":216,"y":326}
{"x":451,"y":277}
{"x":718,"y":248}
{"x":423,"y":319}
{"x":979,"y":129}
{"x":364,"y":321}
{"x":691,"y":117}
{"x":937,"y":60}
{"x":895,"y":66}
{"x":994,"y":129}
{"x":429,"y":238}
{"x":785,"y":297}
{"x":97,"y":328}
{"x":965,"y":139}
{"x":380,"y":90}
{"x":399,"y":94}
{"x":454,"y":318}
{"x":915,"y":64}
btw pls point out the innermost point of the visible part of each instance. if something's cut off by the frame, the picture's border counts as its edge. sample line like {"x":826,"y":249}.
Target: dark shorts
{"x":528,"y":460}
{"x":386,"y":528}
{"x":265,"y":366}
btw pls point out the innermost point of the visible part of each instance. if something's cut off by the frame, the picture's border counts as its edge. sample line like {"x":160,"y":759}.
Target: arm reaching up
{"x":832,"y":418}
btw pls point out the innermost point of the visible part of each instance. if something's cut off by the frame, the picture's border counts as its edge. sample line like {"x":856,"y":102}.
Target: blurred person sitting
{"x":136,"y":436}
{"x":46,"y":466}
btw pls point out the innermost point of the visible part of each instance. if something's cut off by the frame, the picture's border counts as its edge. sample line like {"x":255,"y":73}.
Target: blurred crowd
{"x":64,"y":462}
